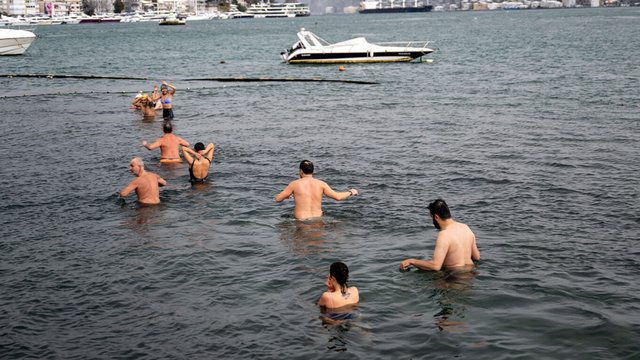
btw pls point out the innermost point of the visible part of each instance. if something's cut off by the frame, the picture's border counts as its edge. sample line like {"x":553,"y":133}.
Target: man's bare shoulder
{"x":319,"y":182}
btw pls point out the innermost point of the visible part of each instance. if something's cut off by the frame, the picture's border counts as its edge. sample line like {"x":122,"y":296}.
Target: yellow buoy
{"x":341,"y":68}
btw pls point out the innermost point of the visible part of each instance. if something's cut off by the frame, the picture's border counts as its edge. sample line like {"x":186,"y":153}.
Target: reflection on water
{"x":449,"y":290}
{"x":338,"y":316}
{"x":345,"y":325}
{"x":142,"y":218}
{"x":304,"y":237}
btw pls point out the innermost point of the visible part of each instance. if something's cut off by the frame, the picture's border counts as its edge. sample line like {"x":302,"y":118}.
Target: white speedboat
{"x":311,"y":49}
{"x":15,"y":42}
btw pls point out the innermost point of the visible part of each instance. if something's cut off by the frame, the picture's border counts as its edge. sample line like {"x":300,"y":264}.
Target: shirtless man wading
{"x":146,"y":184}
{"x":307,"y":193}
{"x":455,"y":245}
{"x":169,"y":144}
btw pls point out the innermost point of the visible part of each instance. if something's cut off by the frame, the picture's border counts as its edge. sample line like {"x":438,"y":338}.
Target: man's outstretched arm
{"x":343,"y":195}
{"x":286,"y":193}
{"x":153,"y":146}
{"x":435,"y":264}
{"x":128,"y":189}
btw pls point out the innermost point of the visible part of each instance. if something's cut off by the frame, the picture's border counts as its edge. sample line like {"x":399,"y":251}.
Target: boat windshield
{"x":310,"y":39}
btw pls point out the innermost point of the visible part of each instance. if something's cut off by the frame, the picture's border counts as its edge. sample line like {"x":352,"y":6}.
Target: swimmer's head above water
{"x":136,"y":165}
{"x":340,"y":272}
{"x":167,"y":127}
{"x":439,"y":207}
{"x":306,"y":167}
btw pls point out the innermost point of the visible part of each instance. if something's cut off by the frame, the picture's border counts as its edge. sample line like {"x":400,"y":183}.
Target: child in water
{"x":338,"y":295}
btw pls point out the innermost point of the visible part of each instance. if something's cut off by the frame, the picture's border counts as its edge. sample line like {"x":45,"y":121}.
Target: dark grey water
{"x":527,"y":123}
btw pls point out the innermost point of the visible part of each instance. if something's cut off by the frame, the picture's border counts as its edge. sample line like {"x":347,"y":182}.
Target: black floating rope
{"x":221,"y":79}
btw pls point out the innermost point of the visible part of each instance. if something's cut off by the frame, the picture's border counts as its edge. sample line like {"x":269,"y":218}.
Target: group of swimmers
{"x":146,"y":184}
{"x":149,"y":104}
{"x":455,"y":247}
{"x":456,"y":250}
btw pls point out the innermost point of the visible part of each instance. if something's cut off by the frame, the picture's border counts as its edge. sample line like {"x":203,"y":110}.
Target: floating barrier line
{"x":123,"y":92}
{"x":220,"y":79}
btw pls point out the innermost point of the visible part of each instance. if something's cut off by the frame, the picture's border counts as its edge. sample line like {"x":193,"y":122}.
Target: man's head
{"x":167,"y":127}
{"x":439,"y":212}
{"x":198,"y":146}
{"x":136,"y":166}
{"x":306,"y":167}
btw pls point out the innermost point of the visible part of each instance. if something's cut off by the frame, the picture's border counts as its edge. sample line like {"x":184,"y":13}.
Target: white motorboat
{"x":15,"y":42}
{"x":311,"y":49}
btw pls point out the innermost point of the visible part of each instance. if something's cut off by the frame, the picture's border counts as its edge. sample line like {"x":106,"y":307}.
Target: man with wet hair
{"x":146,"y":184}
{"x":169,"y":145}
{"x":307,"y":193}
{"x":455,"y":245}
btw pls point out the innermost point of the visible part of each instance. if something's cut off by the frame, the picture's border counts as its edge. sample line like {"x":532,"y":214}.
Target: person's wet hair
{"x":167,"y":127}
{"x":138,"y":161}
{"x":198,"y":146}
{"x":306,"y":166}
{"x":340,"y":272}
{"x":440,"y":208}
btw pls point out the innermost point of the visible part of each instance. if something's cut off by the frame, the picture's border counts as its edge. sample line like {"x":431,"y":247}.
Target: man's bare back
{"x":459,"y":242}
{"x":169,"y":144}
{"x":146,"y":184}
{"x":307,"y":193}
{"x":455,"y":245}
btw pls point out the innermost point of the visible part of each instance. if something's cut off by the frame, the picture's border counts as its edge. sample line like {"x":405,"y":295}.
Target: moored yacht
{"x":311,"y":49}
{"x":15,"y":42}
{"x":275,"y":10}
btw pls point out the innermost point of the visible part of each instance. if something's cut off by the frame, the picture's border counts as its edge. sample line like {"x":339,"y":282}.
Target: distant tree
{"x":224,"y":6}
{"x":242,"y":8}
{"x":118,"y":6}
{"x":88,"y":7}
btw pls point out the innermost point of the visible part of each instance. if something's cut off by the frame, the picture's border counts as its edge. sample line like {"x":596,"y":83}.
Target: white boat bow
{"x":15,"y":42}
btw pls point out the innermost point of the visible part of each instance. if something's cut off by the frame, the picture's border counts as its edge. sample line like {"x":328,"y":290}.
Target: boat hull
{"x":15,"y":42}
{"x":364,"y":57}
{"x":426,"y":8}
{"x":98,"y":21}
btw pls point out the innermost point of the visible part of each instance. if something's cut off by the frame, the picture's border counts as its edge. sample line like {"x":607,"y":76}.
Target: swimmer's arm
{"x":435,"y":264}
{"x":208,"y":152}
{"x":328,"y":191}
{"x":155,"y":145}
{"x":286,"y":193}
{"x":356,"y":294}
{"x":173,"y":88}
{"x":183,"y":142}
{"x":475,"y":253}
{"x":161,"y":181}
{"x":186,"y":151}
{"x":128,"y":189}
{"x":324,"y":299}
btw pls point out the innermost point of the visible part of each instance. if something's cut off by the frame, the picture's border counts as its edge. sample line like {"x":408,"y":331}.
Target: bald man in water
{"x":146,"y":184}
{"x":455,"y":245}
{"x":307,"y":193}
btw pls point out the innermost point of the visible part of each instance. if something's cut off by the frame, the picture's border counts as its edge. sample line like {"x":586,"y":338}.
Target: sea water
{"x":526,"y":123}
